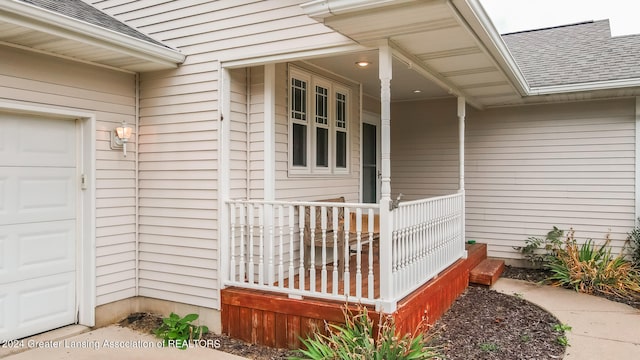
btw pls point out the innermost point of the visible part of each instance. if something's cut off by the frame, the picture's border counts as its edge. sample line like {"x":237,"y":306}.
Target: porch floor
{"x":275,"y":320}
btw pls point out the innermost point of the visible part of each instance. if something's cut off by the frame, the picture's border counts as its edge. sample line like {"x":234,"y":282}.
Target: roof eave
{"x":481,"y":23}
{"x":54,"y":23}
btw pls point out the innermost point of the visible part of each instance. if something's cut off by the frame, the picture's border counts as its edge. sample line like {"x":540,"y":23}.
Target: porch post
{"x":269,"y":163}
{"x":461,"y":119}
{"x":388,"y":302}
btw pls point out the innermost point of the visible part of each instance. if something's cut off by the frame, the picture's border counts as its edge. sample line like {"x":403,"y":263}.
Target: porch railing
{"x":299,"y":248}
{"x":427,"y":237}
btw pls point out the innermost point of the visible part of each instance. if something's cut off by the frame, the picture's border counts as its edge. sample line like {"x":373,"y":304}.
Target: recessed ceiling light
{"x":417,"y":91}
{"x":362,"y":63}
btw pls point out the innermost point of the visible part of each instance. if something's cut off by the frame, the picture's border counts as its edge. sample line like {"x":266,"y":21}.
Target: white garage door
{"x":38,"y":224}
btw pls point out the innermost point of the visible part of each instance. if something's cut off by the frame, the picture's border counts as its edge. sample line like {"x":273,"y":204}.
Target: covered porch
{"x":299,"y":249}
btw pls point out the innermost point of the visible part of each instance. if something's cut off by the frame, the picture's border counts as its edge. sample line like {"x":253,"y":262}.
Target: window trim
{"x":333,"y":88}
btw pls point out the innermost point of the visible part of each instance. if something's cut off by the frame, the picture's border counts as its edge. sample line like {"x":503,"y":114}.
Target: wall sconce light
{"x":120,"y":137}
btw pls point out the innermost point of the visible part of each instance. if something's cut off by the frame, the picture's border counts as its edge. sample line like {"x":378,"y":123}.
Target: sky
{"x":517,"y":15}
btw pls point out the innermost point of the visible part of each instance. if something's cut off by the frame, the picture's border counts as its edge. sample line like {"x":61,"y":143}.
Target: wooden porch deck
{"x":275,"y":320}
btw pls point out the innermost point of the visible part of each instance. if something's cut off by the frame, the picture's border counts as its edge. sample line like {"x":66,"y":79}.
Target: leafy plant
{"x":633,"y":241}
{"x":562,"y":329}
{"x":356,"y":340}
{"x":589,"y":269}
{"x":489,"y":347}
{"x":177,"y":331}
{"x":540,"y":251}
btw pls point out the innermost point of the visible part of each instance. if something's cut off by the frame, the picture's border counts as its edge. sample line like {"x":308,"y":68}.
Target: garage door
{"x":38,"y":224}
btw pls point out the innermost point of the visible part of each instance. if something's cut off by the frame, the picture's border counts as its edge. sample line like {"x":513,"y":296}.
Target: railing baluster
{"x":232,"y":241}
{"x":312,"y":250}
{"x":301,"y":271}
{"x":281,"y":259}
{"x":243,"y":224}
{"x":261,"y":244}
{"x":252,"y":268}
{"x":323,"y":269}
{"x":358,"y":252}
{"x":336,"y":257}
{"x":292,"y":274}
{"x":347,"y":252}
{"x":370,"y":279}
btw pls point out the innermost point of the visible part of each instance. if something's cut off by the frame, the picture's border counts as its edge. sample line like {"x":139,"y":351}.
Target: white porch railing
{"x":427,"y":237}
{"x":298,"y":248}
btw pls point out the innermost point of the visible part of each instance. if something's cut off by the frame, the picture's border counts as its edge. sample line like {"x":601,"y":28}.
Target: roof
{"x":79,"y":10}
{"x":573,"y":54}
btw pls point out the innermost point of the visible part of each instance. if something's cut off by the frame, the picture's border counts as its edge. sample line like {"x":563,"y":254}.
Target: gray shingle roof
{"x":77,"y":9}
{"x":572,"y":54}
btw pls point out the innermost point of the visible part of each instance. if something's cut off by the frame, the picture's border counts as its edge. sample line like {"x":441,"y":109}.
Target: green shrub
{"x":177,"y":331}
{"x":356,"y":340}
{"x":590,"y":269}
{"x":540,"y":251}
{"x":633,"y":242}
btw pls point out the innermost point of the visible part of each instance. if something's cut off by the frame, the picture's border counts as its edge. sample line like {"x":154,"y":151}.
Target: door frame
{"x":372,"y":118}
{"x":85,"y":299}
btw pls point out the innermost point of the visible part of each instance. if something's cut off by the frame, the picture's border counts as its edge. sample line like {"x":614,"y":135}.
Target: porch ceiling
{"x":442,"y":40}
{"x":30,"y":27}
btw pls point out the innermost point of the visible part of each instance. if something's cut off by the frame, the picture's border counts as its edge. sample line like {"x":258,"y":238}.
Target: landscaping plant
{"x":356,"y":340}
{"x":539,"y":251}
{"x":633,"y":242}
{"x":178,"y":332}
{"x":589,"y":268}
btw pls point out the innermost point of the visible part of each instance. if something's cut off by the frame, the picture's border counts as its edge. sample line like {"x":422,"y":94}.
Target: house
{"x":244,"y":114}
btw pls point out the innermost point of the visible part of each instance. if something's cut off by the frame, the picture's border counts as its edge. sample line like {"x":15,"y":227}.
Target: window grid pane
{"x":299,"y":145}
{"x":322,"y":147}
{"x":341,"y":149}
{"x":298,"y":99}
{"x":322,"y":107}
{"x":341,"y":110}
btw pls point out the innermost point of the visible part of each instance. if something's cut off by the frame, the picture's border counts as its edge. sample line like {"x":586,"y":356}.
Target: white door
{"x":38,"y":224}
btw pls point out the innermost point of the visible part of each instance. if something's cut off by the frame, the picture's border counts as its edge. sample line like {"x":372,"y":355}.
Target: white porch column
{"x":461,"y":119}
{"x":388,"y":303}
{"x":269,"y":131}
{"x":269,"y":163}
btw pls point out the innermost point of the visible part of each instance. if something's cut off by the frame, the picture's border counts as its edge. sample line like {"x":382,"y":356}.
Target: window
{"x":319,"y":124}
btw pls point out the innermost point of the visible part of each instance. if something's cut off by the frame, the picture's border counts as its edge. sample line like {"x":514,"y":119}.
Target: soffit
{"x":29,"y":27}
{"x":433,"y":37}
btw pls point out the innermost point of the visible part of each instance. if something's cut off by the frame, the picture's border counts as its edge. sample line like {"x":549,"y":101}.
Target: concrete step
{"x":487,"y":272}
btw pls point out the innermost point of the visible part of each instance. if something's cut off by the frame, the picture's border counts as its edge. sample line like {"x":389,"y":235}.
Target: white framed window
{"x":319,"y":111}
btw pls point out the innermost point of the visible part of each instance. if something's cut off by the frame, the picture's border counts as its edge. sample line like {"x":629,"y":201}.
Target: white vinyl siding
{"x":527,"y":168}
{"x":46,"y":81}
{"x":179,"y":129}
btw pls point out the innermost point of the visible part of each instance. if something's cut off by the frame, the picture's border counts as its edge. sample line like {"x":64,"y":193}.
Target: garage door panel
{"x":38,"y":224}
{"x":37,"y":250}
{"x":28,"y":308}
{"x":33,"y":194}
{"x":27,"y":139}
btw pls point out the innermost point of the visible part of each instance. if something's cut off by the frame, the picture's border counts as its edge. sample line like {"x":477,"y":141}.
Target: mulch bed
{"x":481,"y":324}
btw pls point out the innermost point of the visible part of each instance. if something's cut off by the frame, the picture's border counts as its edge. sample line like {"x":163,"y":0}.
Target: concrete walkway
{"x":601,"y":329}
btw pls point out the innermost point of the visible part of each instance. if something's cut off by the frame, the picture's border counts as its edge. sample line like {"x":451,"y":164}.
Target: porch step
{"x":487,"y":272}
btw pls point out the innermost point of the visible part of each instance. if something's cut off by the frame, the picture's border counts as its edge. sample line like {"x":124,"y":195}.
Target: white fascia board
{"x":320,"y":9}
{"x":478,"y":19}
{"x":590,"y":86}
{"x":54,"y":23}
